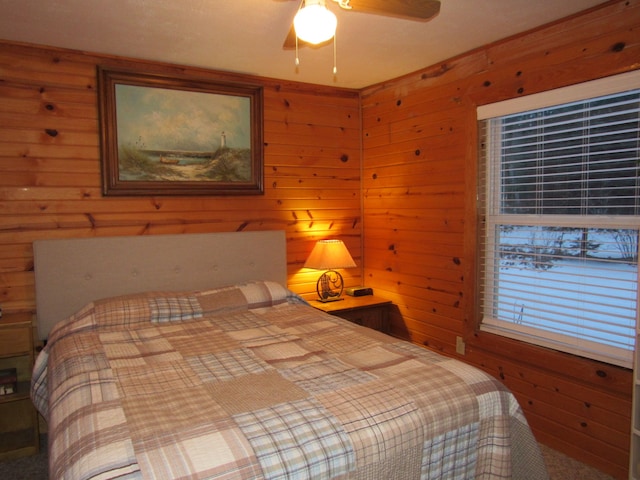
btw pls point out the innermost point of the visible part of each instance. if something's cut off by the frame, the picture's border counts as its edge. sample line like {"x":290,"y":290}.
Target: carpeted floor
{"x":27,"y":468}
{"x":560,"y":467}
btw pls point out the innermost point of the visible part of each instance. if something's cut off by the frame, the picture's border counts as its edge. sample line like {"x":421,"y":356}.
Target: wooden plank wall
{"x":50,"y":183}
{"x":419,"y":184}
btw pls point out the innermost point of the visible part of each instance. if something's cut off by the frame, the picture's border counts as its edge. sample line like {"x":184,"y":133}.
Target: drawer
{"x":18,"y":418}
{"x":15,"y":340}
{"x":375,"y":317}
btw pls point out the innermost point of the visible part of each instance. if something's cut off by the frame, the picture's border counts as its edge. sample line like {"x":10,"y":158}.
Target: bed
{"x":243,"y":379}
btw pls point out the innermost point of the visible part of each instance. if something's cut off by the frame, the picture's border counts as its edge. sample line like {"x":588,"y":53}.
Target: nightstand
{"x":369,"y":311}
{"x":18,"y":418}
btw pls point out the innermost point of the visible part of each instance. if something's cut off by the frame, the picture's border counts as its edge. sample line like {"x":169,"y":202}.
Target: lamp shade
{"x":315,"y":23}
{"x":329,"y":254}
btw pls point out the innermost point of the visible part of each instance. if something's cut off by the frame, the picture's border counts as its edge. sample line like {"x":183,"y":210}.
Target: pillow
{"x":243,"y":297}
{"x":160,"y":307}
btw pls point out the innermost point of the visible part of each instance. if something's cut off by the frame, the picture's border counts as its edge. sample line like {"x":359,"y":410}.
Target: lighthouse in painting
{"x":223,"y":140}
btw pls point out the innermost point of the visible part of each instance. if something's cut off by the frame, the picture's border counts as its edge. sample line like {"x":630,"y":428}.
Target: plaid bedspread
{"x":250,"y":382}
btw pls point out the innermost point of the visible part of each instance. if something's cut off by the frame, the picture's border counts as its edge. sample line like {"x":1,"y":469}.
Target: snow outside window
{"x":559,"y":199}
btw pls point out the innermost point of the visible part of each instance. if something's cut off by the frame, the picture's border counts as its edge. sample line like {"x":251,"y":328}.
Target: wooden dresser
{"x":18,"y":417}
{"x":369,"y":311}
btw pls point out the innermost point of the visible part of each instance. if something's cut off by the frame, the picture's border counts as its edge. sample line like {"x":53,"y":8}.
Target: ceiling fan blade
{"x":290,"y":40}
{"x":411,"y":9}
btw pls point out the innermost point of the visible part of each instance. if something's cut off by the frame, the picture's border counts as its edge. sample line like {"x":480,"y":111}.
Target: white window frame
{"x":492,"y":217}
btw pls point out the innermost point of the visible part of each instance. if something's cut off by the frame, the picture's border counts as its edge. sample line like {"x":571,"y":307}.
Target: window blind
{"x":559,"y":193}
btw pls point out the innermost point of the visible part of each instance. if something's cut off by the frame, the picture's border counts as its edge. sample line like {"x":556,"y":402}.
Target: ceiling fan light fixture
{"x":315,"y":23}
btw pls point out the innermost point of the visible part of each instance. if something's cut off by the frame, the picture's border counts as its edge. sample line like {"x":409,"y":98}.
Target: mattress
{"x":249,"y":381}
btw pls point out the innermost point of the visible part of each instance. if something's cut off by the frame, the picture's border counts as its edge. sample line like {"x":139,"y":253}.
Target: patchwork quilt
{"x":251,"y":382}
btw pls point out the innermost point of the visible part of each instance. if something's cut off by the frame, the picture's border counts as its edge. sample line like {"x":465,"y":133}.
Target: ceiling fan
{"x":420,"y":10}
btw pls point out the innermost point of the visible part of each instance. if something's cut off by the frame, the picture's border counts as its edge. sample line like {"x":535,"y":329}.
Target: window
{"x":559,"y":199}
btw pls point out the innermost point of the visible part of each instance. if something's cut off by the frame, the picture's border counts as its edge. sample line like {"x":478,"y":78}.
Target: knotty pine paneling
{"x":409,"y":197}
{"x":50,"y":182}
{"x":419,"y":185}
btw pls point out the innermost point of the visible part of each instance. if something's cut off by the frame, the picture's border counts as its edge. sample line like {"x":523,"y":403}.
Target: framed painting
{"x":164,"y":135}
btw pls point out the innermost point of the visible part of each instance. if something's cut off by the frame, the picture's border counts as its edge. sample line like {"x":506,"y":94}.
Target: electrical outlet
{"x":460,"y":345}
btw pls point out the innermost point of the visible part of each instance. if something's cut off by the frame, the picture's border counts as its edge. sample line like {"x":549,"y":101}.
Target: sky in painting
{"x":158,"y":118}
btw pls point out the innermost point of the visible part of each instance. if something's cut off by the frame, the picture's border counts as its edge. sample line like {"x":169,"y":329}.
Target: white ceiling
{"x":246,"y":36}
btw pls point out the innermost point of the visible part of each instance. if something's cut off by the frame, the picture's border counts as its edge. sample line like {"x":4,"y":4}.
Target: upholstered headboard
{"x":70,"y":273}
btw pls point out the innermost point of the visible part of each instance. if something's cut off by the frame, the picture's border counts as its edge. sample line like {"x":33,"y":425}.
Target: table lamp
{"x":329,"y":255}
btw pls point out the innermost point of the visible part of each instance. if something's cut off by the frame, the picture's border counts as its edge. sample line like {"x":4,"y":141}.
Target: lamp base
{"x":329,"y":300}
{"x":329,"y":286}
